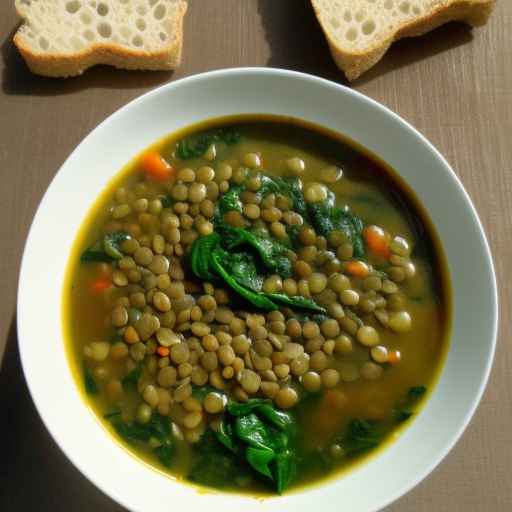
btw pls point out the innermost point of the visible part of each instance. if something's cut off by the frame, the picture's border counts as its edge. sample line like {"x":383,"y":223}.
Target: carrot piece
{"x":377,"y":240}
{"x":101,"y":284}
{"x":163,"y":351}
{"x":156,"y":168}
{"x":357,"y":268}
{"x":394,"y":357}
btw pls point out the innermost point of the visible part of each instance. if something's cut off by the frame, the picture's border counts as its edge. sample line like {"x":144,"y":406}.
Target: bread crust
{"x":65,"y":65}
{"x":354,"y":64}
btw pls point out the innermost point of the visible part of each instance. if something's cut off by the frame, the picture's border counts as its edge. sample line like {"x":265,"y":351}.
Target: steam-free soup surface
{"x":254,"y":305}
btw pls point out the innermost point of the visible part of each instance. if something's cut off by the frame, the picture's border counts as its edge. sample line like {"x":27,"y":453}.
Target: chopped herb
{"x":360,"y":436}
{"x":95,"y":256}
{"x":165,"y":453}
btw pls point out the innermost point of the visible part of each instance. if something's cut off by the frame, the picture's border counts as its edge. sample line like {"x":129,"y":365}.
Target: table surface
{"x":454,"y":85}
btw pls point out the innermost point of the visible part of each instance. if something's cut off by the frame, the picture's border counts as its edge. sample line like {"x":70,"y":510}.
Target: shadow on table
{"x":18,"y":80}
{"x":297,"y":42}
{"x":34,"y":473}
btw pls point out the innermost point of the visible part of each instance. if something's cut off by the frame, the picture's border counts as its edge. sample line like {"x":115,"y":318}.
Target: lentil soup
{"x":255,"y":304}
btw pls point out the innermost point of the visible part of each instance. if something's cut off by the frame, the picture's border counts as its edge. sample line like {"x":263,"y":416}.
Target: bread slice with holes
{"x":62,"y":38}
{"x":359,"y":32}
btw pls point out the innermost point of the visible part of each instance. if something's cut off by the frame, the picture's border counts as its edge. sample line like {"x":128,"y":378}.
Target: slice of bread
{"x":359,"y":32}
{"x":62,"y":38}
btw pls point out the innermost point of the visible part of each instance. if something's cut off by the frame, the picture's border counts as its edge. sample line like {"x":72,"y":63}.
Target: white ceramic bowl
{"x":175,"y":105}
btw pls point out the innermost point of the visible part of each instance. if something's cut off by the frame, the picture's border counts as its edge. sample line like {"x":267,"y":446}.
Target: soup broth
{"x":255,"y":304}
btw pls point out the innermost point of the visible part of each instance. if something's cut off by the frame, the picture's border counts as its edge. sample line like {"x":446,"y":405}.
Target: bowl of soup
{"x":256,"y":288}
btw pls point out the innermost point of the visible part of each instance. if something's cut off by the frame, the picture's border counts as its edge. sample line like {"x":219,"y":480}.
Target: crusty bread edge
{"x":355,"y":64}
{"x":66,"y":65}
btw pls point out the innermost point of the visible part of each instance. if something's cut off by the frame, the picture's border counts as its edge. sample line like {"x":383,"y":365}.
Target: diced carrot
{"x":394,"y":357}
{"x":163,"y":351}
{"x":357,"y":268}
{"x":101,"y":284}
{"x":377,"y":240}
{"x":155,"y":166}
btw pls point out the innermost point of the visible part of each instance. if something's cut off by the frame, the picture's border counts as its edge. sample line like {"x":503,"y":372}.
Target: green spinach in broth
{"x":255,"y":304}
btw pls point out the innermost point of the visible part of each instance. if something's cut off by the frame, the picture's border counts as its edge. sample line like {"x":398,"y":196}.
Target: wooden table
{"x":454,"y":85}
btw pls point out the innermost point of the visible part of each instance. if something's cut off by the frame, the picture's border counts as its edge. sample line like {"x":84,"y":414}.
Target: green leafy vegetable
{"x":107,"y":250}
{"x":112,"y":414}
{"x":226,"y":435}
{"x":271,"y":252}
{"x":326,"y":217}
{"x":95,"y":256}
{"x":167,"y":201}
{"x":91,"y":388}
{"x":230,"y":201}
{"x":165,"y":453}
{"x":214,"y":257}
{"x":112,"y":244}
{"x":295,"y":301}
{"x":158,"y":429}
{"x":253,"y":431}
{"x":360,"y":436}
{"x":131,"y":379}
{"x":290,"y":187}
{"x":259,"y":459}
{"x":196,"y":145}
{"x":200,"y":255}
{"x":286,"y":469}
{"x":243,"y":408}
{"x":417,"y":391}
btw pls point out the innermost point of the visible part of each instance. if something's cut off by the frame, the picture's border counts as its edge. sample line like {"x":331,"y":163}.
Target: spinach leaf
{"x":107,"y":250}
{"x":167,"y":201}
{"x":112,"y":244}
{"x":200,"y":255}
{"x":260,"y":459}
{"x":95,"y":256}
{"x":215,"y":466}
{"x":280,"y":419}
{"x":230,"y":201}
{"x":253,"y":431}
{"x":417,"y":391}
{"x":290,"y":187}
{"x":403,"y":411}
{"x":131,"y":379}
{"x":226,"y":435}
{"x":112,"y":414}
{"x":257,"y":299}
{"x":132,"y":431}
{"x":243,"y":408}
{"x":91,"y":388}
{"x":243,"y":268}
{"x":286,"y":469}
{"x":360,"y":436}
{"x":325,"y":217}
{"x":295,"y":301}
{"x":165,"y":453}
{"x":271,"y":252}
{"x":196,"y":145}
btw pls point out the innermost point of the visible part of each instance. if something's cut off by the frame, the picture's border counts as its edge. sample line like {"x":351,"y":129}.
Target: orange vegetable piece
{"x":155,"y":166}
{"x":357,"y":268}
{"x":101,"y":284}
{"x":394,"y":357}
{"x":163,"y":351}
{"x":377,"y":240}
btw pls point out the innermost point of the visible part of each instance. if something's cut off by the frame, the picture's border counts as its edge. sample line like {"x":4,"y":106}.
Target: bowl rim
{"x":22,"y":304}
